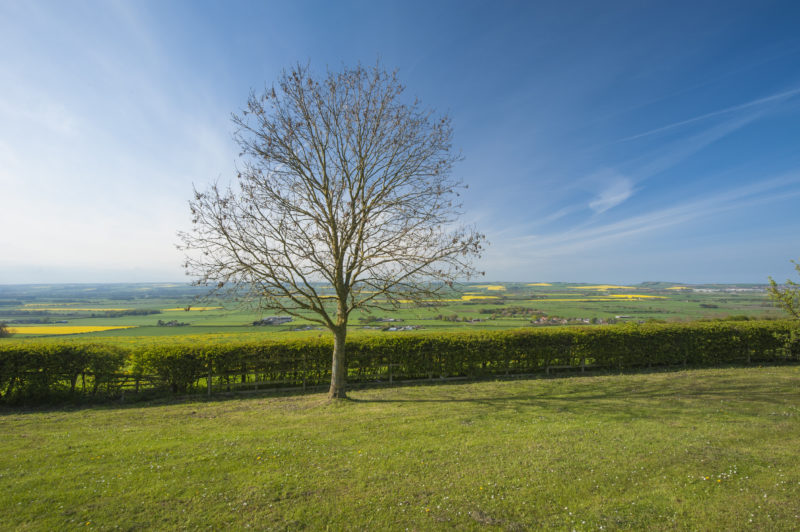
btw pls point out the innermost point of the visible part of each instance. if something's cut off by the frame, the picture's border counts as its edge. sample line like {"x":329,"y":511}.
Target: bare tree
{"x":786,"y":297}
{"x":340,"y":182}
{"x":5,"y":332}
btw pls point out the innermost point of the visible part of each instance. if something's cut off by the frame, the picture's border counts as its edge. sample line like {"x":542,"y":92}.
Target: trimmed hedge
{"x":45,"y":370}
{"x":42,"y":371}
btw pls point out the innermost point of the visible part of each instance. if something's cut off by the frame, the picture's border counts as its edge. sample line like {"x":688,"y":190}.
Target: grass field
{"x":691,"y":450}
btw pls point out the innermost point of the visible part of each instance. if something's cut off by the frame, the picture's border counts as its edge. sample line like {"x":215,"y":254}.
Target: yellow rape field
{"x":635,"y":296}
{"x":72,"y":309}
{"x":600,"y":298}
{"x":604,"y":287}
{"x":429,"y":300}
{"x":539,"y":284}
{"x":463,"y":298}
{"x":199,"y":309}
{"x":490,"y":286}
{"x":65,"y":329}
{"x":678,"y":288}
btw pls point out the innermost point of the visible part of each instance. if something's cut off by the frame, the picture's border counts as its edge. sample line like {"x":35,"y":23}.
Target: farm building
{"x":273,"y":320}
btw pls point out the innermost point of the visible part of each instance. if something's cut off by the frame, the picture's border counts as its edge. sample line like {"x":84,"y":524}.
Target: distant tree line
{"x":171,"y":323}
{"x":68,"y":312}
{"x":129,"y":312}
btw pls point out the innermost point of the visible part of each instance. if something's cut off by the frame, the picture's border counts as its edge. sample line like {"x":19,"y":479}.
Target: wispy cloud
{"x":114,"y":133}
{"x":615,"y":185}
{"x":733,"y":109}
{"x":669,"y":155}
{"x":616,"y":191}
{"x":576,"y":240}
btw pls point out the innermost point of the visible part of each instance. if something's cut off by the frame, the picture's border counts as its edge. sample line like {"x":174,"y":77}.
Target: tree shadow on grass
{"x":678,"y":392}
{"x":618,"y":393}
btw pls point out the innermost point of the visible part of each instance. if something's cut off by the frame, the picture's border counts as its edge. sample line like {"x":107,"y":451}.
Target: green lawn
{"x":690,"y":450}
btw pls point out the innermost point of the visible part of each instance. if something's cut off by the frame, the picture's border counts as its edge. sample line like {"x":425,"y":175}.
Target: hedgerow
{"x":48,"y":371}
{"x":42,"y":371}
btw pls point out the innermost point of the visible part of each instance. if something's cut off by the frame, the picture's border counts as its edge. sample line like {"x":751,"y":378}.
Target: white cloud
{"x":616,"y":192}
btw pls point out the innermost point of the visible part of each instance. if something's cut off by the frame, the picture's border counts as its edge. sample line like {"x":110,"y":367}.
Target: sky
{"x":614,"y":142}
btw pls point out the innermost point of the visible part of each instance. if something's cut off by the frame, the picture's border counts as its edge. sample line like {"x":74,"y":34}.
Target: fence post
{"x":208,"y":382}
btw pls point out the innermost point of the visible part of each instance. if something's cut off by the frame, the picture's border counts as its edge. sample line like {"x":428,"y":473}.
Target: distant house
{"x":403,"y":328}
{"x":273,"y":320}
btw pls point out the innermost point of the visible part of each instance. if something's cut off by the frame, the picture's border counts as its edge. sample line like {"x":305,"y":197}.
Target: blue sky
{"x":603,"y":141}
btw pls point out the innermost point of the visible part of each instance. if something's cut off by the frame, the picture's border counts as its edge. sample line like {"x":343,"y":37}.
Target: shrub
{"x":33,"y":370}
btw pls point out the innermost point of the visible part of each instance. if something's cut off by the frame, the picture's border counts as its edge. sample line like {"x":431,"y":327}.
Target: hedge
{"x":30,"y":370}
{"x":44,"y":371}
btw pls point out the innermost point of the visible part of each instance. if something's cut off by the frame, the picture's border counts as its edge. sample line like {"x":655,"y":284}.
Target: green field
{"x":690,"y":450}
{"x":487,"y":306}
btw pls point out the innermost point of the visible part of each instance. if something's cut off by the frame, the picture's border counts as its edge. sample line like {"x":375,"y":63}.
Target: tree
{"x":4,"y":331}
{"x":340,"y":182}
{"x":787,"y":296}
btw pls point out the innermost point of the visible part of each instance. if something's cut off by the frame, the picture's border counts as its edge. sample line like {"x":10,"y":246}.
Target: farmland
{"x":131,"y":313}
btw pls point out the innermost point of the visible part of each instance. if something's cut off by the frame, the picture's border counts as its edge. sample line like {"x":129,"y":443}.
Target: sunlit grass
{"x":691,"y":450}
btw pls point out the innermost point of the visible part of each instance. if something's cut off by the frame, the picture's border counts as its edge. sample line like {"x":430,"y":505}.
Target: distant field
{"x":690,"y":450}
{"x":46,"y":330}
{"x":130,"y":313}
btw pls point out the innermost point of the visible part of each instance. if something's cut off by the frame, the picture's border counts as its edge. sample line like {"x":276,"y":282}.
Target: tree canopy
{"x":787,"y":296}
{"x":345,"y":200}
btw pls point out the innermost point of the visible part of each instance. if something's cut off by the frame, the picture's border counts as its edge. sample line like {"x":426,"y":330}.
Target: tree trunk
{"x":339,"y":367}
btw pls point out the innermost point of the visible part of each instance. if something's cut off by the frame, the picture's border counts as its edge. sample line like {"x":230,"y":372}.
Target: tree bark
{"x":338,"y":388}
